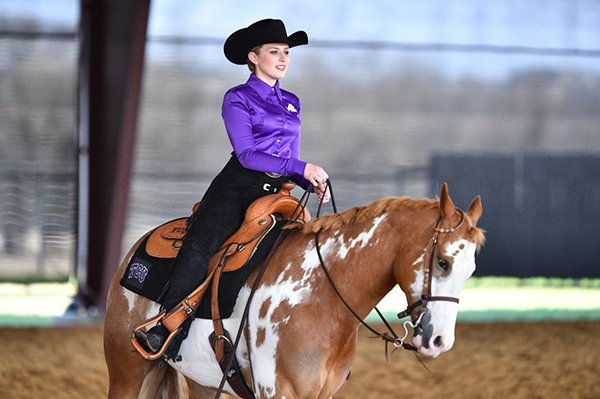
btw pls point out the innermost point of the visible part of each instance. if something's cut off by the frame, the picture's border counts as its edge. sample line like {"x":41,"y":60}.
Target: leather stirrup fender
{"x":171,"y":320}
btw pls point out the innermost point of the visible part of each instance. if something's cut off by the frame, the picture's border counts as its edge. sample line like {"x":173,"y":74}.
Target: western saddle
{"x":165,"y":242}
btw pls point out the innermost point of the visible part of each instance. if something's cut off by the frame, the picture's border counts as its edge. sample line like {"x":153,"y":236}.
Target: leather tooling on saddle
{"x":166,"y":240}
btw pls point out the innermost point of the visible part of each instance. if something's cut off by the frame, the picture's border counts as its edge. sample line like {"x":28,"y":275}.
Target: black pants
{"x":220,"y":213}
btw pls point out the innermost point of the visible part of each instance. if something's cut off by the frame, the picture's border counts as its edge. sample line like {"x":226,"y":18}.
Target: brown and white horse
{"x":301,"y":340}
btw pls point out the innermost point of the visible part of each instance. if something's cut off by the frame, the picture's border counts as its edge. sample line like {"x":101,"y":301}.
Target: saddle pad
{"x":148,"y":276}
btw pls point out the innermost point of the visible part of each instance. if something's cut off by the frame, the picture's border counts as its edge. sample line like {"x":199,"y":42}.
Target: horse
{"x":300,"y":338}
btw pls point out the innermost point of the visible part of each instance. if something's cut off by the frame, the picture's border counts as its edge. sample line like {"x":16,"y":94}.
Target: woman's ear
{"x":253,"y":58}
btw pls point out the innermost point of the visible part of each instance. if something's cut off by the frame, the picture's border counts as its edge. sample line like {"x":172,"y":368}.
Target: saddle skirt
{"x":166,"y":240}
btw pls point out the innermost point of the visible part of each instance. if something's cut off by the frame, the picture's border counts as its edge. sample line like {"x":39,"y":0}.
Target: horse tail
{"x":164,"y":383}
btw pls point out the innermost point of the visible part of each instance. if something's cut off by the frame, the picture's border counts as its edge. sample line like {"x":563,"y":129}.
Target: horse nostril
{"x":438,"y":341}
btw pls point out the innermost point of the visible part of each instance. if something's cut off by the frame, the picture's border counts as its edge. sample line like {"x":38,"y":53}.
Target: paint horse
{"x":300,"y":339}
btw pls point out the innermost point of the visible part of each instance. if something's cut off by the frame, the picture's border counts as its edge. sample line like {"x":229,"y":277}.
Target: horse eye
{"x":443,"y":263}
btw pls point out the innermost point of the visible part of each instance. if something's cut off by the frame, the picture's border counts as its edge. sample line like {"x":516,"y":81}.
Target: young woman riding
{"x":263,"y":124}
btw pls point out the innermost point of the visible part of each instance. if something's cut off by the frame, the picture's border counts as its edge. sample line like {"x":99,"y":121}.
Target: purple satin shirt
{"x":263,"y":124}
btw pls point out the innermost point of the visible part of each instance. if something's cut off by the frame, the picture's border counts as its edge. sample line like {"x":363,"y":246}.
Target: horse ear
{"x":475,"y":210}
{"x":446,"y":205}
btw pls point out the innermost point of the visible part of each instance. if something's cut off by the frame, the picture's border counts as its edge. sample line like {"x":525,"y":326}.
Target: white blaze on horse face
{"x":439,"y":322}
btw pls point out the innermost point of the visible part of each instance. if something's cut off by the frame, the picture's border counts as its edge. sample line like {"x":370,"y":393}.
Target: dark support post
{"x":112,"y":37}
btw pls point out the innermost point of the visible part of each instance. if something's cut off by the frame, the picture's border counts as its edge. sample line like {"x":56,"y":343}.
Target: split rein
{"x":393,"y":338}
{"x":425,"y":296}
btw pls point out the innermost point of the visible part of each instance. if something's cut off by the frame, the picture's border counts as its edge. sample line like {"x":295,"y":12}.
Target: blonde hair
{"x":251,"y":65}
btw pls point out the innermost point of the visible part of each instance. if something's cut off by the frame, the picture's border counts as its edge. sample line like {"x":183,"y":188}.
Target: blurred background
{"x":498,"y":98}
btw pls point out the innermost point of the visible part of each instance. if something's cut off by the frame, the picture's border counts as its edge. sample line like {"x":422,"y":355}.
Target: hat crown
{"x":273,"y":27}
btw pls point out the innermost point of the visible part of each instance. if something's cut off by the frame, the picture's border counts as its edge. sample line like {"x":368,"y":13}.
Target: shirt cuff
{"x":296,"y":167}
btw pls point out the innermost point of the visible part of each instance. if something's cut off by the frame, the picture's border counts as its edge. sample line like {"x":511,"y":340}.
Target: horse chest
{"x":269,"y":316}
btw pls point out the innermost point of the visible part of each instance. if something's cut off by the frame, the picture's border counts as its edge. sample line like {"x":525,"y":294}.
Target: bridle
{"x":428,"y":273}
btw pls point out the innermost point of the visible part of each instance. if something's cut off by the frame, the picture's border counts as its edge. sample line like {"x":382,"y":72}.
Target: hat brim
{"x":240,"y":43}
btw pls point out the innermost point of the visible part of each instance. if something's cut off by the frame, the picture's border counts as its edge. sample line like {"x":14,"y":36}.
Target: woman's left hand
{"x":324,"y":196}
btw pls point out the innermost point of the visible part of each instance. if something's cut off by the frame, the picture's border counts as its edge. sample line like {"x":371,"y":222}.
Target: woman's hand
{"x":317,"y":176}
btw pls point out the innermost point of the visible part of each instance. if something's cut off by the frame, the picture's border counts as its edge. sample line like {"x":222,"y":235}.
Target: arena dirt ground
{"x":497,"y":360}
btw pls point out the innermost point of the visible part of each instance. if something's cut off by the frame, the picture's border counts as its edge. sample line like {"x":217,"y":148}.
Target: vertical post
{"x":113,"y":36}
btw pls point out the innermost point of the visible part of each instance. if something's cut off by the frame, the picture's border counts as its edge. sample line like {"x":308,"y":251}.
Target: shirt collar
{"x":262,"y":88}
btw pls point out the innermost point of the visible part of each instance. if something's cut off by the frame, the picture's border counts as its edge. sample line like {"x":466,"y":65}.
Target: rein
{"x":425,"y":295}
{"x":393,"y":338}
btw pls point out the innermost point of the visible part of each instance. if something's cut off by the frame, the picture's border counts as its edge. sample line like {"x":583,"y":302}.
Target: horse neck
{"x":360,"y":260}
{"x":367,"y":259}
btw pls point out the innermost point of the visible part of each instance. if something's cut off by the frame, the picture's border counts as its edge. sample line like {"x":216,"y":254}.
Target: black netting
{"x":389,"y":90}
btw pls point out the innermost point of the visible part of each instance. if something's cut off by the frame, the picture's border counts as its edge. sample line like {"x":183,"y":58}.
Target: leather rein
{"x":425,"y":295}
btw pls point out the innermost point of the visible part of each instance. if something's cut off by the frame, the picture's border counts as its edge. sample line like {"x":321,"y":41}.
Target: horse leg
{"x":131,"y":377}
{"x":126,"y":368}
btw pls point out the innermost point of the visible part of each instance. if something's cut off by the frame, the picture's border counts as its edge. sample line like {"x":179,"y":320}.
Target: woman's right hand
{"x":317,"y":176}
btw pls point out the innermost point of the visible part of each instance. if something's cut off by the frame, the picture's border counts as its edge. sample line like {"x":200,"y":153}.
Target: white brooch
{"x":291,"y":108}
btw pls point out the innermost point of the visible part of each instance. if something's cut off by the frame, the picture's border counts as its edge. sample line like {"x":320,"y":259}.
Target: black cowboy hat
{"x":241,"y":42}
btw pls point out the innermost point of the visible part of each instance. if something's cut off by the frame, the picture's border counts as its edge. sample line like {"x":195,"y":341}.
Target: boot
{"x":153,"y":339}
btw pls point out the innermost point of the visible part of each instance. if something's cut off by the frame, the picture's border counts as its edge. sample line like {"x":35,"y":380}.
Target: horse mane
{"x":376,"y":209}
{"x":367,"y":212}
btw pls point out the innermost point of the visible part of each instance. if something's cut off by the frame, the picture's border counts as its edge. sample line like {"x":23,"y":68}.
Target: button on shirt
{"x":263,"y":124}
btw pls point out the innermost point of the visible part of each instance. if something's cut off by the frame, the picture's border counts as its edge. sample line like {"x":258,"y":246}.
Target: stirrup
{"x":142,"y":351}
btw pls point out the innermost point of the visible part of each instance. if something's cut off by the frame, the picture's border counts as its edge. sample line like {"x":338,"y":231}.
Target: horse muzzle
{"x":429,"y":341}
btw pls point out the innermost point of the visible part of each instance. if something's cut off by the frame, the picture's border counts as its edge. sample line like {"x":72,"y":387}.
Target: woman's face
{"x":271,"y":62}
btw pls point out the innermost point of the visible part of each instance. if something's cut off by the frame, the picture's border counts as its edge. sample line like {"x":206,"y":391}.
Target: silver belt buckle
{"x":273,"y":175}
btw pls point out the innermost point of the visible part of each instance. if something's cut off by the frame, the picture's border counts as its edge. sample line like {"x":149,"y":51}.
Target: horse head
{"x":439,"y":274}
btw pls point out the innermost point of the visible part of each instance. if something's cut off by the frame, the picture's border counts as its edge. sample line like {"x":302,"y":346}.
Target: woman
{"x":263,"y":125}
